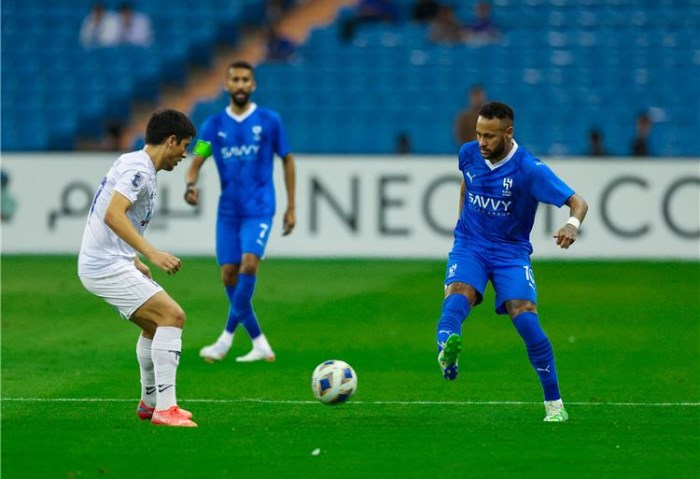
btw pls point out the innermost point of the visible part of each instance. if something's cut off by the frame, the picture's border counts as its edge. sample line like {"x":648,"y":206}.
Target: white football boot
{"x":261,"y":351}
{"x":214,"y":352}
{"x":555,"y":411}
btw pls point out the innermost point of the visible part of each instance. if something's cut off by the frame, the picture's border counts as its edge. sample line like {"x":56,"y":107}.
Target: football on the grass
{"x":333,"y":382}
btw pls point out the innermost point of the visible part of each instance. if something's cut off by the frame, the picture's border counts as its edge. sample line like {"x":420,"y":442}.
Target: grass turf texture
{"x":626,"y":337}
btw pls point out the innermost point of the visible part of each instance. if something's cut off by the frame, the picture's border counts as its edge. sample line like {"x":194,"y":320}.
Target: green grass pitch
{"x":626,"y":337}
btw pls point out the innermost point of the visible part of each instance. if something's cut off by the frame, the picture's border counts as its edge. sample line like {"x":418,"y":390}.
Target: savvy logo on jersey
{"x":243,"y":152}
{"x":490,"y":205}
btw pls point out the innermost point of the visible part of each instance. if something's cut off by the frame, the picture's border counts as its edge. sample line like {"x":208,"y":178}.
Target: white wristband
{"x":575,"y":222}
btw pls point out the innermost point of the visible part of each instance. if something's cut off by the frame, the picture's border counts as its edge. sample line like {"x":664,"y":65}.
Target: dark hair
{"x":496,"y":109}
{"x":241,"y":64}
{"x":165,"y":122}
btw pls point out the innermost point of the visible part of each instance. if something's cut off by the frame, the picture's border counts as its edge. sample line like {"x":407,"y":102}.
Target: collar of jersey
{"x":246,"y":114}
{"x":504,"y":160}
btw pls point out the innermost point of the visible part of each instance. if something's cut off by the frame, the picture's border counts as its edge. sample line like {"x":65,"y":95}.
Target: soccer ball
{"x":333,"y":382}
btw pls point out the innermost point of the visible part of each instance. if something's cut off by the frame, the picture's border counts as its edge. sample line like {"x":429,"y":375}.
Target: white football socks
{"x":148,"y":378}
{"x":225,"y":339}
{"x":260,"y":343}
{"x":166,"y":348}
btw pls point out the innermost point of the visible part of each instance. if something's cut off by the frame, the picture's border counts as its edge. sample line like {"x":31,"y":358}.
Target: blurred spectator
{"x":403,"y":144}
{"x":8,"y":205}
{"x":425,"y":10}
{"x":134,"y":27}
{"x":465,"y":122}
{"x":446,"y":28}
{"x":369,"y":11}
{"x":595,"y":143}
{"x":640,"y":145}
{"x":276,"y":9}
{"x":482,"y":29}
{"x":100,"y":28}
{"x":278,"y":47}
{"x":114,"y":131}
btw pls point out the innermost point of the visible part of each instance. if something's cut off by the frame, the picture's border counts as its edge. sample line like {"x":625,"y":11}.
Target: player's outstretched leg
{"x":449,"y":355}
{"x":455,"y":308}
{"x":541,"y":355}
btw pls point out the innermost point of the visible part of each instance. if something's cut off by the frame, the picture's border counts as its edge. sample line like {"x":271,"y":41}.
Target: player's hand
{"x":141,"y":266}
{"x":192,"y":195}
{"x":165,"y":261}
{"x":289,"y":221}
{"x":566,"y":236}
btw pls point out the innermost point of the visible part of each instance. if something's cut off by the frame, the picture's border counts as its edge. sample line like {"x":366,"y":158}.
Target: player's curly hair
{"x":165,"y":122}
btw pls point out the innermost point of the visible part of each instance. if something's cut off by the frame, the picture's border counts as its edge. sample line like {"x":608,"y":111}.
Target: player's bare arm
{"x":290,"y":184}
{"x":116,"y":219}
{"x":192,"y":192}
{"x":566,"y":236}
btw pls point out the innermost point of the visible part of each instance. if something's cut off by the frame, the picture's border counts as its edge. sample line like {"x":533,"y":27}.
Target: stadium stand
{"x":565,"y":65}
{"x":54,"y":90}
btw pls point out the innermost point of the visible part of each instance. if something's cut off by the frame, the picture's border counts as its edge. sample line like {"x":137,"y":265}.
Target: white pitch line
{"x":371,"y":403}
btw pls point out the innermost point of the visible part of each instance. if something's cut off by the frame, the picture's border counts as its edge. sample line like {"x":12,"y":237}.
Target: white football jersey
{"x":102,"y":252}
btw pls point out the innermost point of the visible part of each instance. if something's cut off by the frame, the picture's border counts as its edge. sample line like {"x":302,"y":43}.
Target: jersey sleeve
{"x":207,"y":131}
{"x":131,"y":182}
{"x":281,"y":146}
{"x":464,"y":157}
{"x":547,"y":187}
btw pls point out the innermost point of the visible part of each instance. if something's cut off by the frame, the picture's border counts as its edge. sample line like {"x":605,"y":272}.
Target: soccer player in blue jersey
{"x":501,"y":187}
{"x":243,"y":140}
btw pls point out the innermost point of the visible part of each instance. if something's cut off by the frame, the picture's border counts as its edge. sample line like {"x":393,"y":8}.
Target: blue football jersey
{"x":501,"y":201}
{"x":244,"y":149}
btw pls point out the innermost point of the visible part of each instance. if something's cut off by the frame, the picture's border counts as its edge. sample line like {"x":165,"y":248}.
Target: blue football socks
{"x":242,"y":304}
{"x":232,"y":321}
{"x":539,"y":350}
{"x":455,"y":309}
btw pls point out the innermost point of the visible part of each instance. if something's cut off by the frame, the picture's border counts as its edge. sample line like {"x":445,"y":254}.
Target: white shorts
{"x":126,"y":290}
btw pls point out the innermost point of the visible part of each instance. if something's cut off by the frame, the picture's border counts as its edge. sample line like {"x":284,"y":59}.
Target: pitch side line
{"x":370,"y":403}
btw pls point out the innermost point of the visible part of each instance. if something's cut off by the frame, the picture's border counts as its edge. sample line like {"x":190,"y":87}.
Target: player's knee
{"x":174,"y":317}
{"x":249,"y":269}
{"x":516,"y":308}
{"x":463,"y":289}
{"x":180,"y":316}
{"x":229,"y":276}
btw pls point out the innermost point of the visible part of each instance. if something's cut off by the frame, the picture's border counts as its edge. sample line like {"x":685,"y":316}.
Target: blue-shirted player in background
{"x":243,"y":139}
{"x":502,"y":185}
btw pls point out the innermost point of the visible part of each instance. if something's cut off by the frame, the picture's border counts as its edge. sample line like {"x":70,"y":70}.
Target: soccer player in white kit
{"x":109,"y":266}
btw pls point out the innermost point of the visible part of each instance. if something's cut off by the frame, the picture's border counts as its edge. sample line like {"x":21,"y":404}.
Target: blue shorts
{"x":235,"y":236}
{"x":510,"y":274}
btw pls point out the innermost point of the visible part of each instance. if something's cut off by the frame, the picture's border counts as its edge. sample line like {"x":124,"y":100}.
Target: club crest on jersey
{"x":257,"y":129}
{"x":452,"y":271}
{"x":507,"y":185}
{"x":136,"y":181}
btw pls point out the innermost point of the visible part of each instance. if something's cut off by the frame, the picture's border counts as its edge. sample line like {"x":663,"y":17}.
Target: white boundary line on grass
{"x":371,"y":403}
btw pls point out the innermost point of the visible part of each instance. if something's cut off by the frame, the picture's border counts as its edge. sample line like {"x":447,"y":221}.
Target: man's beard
{"x":240,"y":102}
{"x":496,"y":152}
